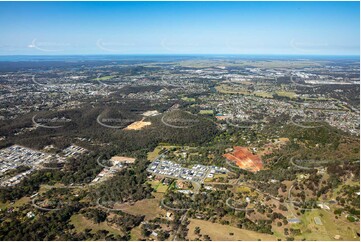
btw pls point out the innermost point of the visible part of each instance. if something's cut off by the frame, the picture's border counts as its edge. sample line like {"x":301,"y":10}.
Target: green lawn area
{"x":231,"y":90}
{"x":215,"y":177}
{"x":263,"y":94}
{"x":136,"y":234}
{"x":188,"y":99}
{"x":154,"y":184}
{"x":22,"y":201}
{"x":158,"y":186}
{"x":4,"y":205}
{"x":148,"y":207}
{"x":152,"y":155}
{"x":206,"y":112}
{"x":331,"y":227}
{"x":318,"y":98}
{"x":286,"y":94}
{"x":18,"y":203}
{"x":162,"y":188}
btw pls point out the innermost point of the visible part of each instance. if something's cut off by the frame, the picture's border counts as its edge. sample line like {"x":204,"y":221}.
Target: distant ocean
{"x":15,"y":58}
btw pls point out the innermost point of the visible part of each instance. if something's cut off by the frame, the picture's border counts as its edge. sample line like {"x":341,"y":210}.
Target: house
{"x":169,"y":216}
{"x":294,"y":220}
{"x":182,"y":184}
{"x":30,"y":214}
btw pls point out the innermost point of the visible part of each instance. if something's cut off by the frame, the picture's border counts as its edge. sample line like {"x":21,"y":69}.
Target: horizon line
{"x":178,"y":54}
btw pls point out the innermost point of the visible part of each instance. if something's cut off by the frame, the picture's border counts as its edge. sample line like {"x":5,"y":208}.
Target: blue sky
{"x":55,"y":28}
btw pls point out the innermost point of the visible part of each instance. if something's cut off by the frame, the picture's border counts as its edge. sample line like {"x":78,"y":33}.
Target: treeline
{"x":56,"y":225}
{"x":126,"y":221}
{"x":126,"y":186}
{"x":81,"y":170}
{"x":94,"y":214}
{"x":30,"y":185}
{"x":46,"y":226}
{"x":78,"y":171}
{"x":212,"y":206}
{"x":84,"y":124}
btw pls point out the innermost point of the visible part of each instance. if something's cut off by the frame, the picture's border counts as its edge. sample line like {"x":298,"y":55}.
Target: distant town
{"x":179,"y":149}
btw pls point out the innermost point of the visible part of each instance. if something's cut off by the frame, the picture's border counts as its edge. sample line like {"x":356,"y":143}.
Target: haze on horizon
{"x":286,"y":28}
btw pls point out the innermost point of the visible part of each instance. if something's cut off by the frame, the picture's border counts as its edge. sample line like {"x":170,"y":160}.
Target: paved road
{"x":290,"y":204}
{"x":170,"y":208}
{"x":64,"y":186}
{"x":237,"y":209}
{"x":33,"y":203}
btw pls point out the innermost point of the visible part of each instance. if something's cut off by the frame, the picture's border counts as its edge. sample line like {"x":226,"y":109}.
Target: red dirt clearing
{"x":244,"y":159}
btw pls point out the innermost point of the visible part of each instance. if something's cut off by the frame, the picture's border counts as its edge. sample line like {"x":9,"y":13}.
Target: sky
{"x":125,"y":28}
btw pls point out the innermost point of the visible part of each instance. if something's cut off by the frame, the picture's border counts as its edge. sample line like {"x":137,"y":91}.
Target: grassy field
{"x":154,"y":184}
{"x":4,"y":205}
{"x":81,"y":223}
{"x":227,"y":89}
{"x":263,"y":94}
{"x":331,"y":227}
{"x":152,"y":155}
{"x":338,"y":190}
{"x":222,"y":232}
{"x":188,"y":99}
{"x":22,"y":201}
{"x":18,"y":203}
{"x":242,"y":189}
{"x":206,"y":112}
{"x":231,"y":90}
{"x":136,"y":234}
{"x":162,"y":188}
{"x":317,"y":99}
{"x":148,"y":207}
{"x":286,"y":94}
{"x":158,"y":186}
{"x":215,"y":177}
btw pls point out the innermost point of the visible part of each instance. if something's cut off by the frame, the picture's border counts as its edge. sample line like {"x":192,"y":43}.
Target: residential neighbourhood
{"x":173,"y":170}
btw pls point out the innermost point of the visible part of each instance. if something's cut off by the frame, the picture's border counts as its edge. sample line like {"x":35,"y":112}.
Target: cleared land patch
{"x":222,"y":232}
{"x":104,"y":78}
{"x":231,"y":90}
{"x":81,"y":223}
{"x":138,"y":125}
{"x":286,"y":94}
{"x":148,"y":207}
{"x":244,"y":159}
{"x":188,"y":99}
{"x":263,"y":94}
{"x":18,"y":203}
{"x":206,"y":112}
